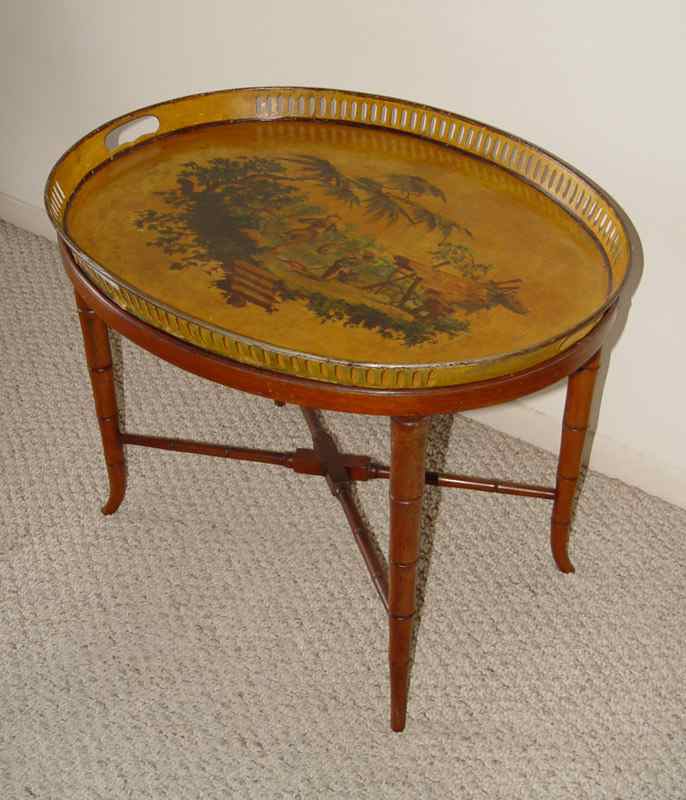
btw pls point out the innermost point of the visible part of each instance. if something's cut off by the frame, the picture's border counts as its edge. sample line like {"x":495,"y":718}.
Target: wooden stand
{"x":410,"y":412}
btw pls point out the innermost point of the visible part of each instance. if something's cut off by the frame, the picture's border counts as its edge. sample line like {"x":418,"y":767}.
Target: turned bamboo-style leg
{"x":574,"y":427}
{"x":96,"y":344}
{"x":408,"y":448}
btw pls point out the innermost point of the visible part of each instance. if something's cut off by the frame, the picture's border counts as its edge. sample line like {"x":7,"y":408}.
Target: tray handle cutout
{"x":131,"y":131}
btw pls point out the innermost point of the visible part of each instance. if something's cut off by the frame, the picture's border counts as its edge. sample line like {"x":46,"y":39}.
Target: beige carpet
{"x":218,"y":637}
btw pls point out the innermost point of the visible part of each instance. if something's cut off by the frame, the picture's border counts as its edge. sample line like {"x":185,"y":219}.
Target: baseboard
{"x":608,"y":456}
{"x":26,"y":216}
{"x":516,"y":419}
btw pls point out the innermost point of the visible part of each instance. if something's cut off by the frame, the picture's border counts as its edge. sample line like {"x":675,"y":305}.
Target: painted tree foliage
{"x":271,"y":230}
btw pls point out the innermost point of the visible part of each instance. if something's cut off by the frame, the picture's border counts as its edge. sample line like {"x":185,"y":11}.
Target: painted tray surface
{"x":342,"y":237}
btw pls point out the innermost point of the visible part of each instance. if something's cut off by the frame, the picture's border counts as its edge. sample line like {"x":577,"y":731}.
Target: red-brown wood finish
{"x":574,"y":427}
{"x":337,"y":468}
{"x":96,"y":344}
{"x":450,"y":481}
{"x":358,"y":468}
{"x":410,"y":411}
{"x":408,"y":450}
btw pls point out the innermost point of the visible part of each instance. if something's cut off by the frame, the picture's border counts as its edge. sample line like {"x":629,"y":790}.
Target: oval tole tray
{"x":342,"y":237}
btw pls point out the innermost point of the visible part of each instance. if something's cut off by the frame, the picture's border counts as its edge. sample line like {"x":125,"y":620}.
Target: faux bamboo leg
{"x":408,"y":448}
{"x":574,"y":427}
{"x":99,"y":359}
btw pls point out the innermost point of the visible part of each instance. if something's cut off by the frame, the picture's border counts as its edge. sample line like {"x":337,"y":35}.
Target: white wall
{"x":598,"y":83}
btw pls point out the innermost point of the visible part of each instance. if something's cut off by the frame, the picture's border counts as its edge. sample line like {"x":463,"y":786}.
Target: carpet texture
{"x":218,"y":637}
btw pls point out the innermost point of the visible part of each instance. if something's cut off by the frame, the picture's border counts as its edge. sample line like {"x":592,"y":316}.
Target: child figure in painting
{"x":343,"y":268}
